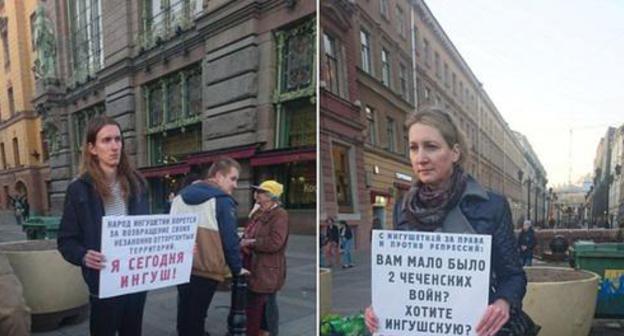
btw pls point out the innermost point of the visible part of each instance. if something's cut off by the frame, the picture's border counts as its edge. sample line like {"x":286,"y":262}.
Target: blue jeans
{"x":527,"y":259}
{"x":347,"y":247}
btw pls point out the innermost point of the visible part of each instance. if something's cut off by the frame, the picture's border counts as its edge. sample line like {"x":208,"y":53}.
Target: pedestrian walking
{"x":216,"y":243}
{"x":264,"y":251}
{"x":527,"y":242}
{"x":333,"y":241}
{"x":108,"y":185}
{"x":346,"y":244}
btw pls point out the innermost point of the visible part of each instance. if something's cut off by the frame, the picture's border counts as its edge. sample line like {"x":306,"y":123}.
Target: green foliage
{"x":336,"y":325}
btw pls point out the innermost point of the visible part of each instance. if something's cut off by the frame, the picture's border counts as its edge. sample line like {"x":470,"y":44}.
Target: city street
{"x":351,"y":294}
{"x":297,"y":300}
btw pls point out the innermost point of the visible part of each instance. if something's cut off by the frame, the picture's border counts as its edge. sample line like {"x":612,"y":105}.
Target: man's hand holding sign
{"x":144,"y":252}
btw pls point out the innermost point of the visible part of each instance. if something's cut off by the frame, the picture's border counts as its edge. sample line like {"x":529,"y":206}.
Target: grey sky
{"x":549,"y":66}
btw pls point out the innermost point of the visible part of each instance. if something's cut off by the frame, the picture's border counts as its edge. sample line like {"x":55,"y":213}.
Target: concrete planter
{"x":561,"y":300}
{"x":53,"y":288}
{"x":325,"y":283}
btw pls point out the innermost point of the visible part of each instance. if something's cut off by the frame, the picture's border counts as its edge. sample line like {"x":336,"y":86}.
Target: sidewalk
{"x":351,"y":293}
{"x":297,"y":300}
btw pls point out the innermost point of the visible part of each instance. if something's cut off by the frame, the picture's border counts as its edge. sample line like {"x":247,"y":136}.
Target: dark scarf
{"x":426,"y":208}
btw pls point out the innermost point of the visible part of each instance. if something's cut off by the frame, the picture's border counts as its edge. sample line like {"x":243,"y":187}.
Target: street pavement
{"x":296,"y":301}
{"x":351,"y":293}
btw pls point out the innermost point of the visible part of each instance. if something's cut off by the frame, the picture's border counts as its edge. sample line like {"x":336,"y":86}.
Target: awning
{"x":283,"y":156}
{"x":234,"y":153}
{"x":165,"y":170}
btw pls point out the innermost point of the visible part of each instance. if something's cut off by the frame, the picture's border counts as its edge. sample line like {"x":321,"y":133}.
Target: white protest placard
{"x":146,"y":252}
{"x":429,"y":283}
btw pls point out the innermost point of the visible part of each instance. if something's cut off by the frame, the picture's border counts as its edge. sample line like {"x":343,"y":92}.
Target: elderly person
{"x":264,"y":251}
{"x":527,"y":243}
{"x":447,"y":199}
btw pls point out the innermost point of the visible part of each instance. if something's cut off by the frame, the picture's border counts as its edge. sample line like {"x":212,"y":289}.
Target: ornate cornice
{"x":339,"y":11}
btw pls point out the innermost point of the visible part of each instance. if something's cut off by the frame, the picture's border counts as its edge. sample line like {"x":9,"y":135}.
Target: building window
{"x":300,"y":124}
{"x":4,"y":30}
{"x":16,"y":156}
{"x":44,"y":146}
{"x":406,"y":141}
{"x":3,"y":153}
{"x":454,"y":83}
{"x":427,"y":53}
{"x":173,"y":104}
{"x":85,"y":24}
{"x":33,"y":17}
{"x":11,"y":102}
{"x":365,"y":53}
{"x":174,"y":100}
{"x":403,"y":80}
{"x":174,"y":145}
{"x":299,"y":179}
{"x":400,"y":21}
{"x":383,"y":8}
{"x":461,"y":91}
{"x":80,"y":121}
{"x":372,"y":131}
{"x":436,"y":62}
{"x":446,"y":74}
{"x":297,"y":52}
{"x":385,"y":68}
{"x":416,"y":43}
{"x":427,"y":94}
{"x":342,"y":177}
{"x":391,"y":129}
{"x":295,"y":112}
{"x":332,"y":74}
{"x":163,"y":19}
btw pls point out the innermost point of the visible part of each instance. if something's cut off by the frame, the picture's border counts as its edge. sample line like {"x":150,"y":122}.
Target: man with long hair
{"x":217,"y":242}
{"x":108,"y":185}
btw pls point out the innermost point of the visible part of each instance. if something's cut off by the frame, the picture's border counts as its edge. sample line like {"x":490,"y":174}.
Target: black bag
{"x":519,"y":324}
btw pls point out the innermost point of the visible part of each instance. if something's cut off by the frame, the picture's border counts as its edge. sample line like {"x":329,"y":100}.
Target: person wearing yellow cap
{"x":264,"y":251}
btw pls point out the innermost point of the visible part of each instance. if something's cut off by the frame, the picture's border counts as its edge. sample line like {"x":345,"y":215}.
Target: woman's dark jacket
{"x":527,"y":238}
{"x":81,"y":225}
{"x":488,"y":213}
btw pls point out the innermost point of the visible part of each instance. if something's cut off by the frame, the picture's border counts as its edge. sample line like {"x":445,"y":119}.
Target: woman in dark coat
{"x":447,"y":199}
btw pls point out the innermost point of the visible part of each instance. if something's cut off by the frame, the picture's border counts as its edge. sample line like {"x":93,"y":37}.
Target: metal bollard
{"x":237,"y":319}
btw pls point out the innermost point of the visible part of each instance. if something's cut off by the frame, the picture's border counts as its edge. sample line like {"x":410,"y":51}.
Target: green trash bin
{"x":41,"y":227}
{"x":606,"y":260}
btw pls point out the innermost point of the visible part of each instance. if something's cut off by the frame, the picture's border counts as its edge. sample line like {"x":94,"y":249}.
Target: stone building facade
{"x":24,"y":168}
{"x":386,"y":91}
{"x":190,"y":81}
{"x":342,"y":185}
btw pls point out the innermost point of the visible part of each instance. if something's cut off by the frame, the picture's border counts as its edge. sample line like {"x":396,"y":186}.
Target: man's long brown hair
{"x":131,"y":182}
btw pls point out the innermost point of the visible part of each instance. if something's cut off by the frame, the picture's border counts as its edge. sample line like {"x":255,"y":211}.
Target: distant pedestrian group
{"x":337,"y":242}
